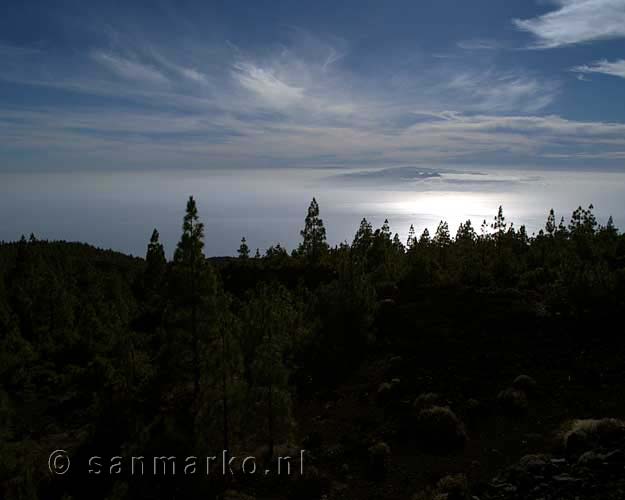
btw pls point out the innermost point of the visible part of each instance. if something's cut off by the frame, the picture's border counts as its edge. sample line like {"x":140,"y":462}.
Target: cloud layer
{"x":130,"y":101}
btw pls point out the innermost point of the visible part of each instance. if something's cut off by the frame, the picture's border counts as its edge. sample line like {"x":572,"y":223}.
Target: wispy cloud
{"x":201,"y":139}
{"x":577,"y":21}
{"x":480,"y":44}
{"x":189,"y":73}
{"x":504,"y":92}
{"x":295,"y":104}
{"x":602,"y":155}
{"x":130,"y":70}
{"x":615,"y":68}
{"x":266,"y":85}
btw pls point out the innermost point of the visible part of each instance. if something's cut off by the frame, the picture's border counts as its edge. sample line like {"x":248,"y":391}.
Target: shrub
{"x":439,"y":429}
{"x":525,"y":383}
{"x":513,"y":401}
{"x":379,"y":456}
{"x":454,"y":486}
{"x":451,"y":487}
{"x":389,"y":393}
{"x":428,"y":400}
{"x":475,"y":411}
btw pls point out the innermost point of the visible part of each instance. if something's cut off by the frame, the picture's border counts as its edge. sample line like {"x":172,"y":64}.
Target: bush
{"x":583,"y":435}
{"x":389,"y":393}
{"x":379,"y":456}
{"x":451,"y":487}
{"x":525,"y":383}
{"x":513,"y":401}
{"x":454,"y":486}
{"x":475,"y":411}
{"x":439,"y":429}
{"x":428,"y":400}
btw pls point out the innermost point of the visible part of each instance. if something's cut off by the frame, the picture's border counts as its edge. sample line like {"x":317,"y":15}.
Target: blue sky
{"x":368,"y":84}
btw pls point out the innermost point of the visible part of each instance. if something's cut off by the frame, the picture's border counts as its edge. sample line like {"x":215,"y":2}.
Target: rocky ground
{"x":598,"y":474}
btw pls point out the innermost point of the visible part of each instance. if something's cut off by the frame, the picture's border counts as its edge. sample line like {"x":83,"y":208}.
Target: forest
{"x":482,"y":364}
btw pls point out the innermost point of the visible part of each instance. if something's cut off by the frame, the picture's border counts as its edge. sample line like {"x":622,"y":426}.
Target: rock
{"x":237,"y":495}
{"x":584,"y":435}
{"x":338,"y":487}
{"x":534,"y":464}
{"x":566,"y":478}
{"x":590,"y":459}
{"x":615,"y":456}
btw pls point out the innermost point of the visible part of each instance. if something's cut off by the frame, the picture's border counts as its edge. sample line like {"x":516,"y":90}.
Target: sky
{"x":137,"y":88}
{"x":266,"y":84}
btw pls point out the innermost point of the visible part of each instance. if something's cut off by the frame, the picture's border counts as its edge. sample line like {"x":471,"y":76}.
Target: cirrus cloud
{"x":615,"y":68}
{"x":577,"y":21}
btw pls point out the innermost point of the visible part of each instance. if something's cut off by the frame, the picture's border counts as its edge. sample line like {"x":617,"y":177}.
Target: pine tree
{"x":385,"y":230}
{"x":269,"y":321}
{"x":466,"y":233}
{"x":499,"y":224}
{"x":244,"y":250}
{"x":424,"y":239}
{"x":583,"y":221}
{"x":276,"y":251}
{"x":196,"y":280}
{"x":610,"y":228}
{"x":155,"y":257}
{"x":561,"y":229}
{"x":228,"y":366}
{"x":550,"y":225}
{"x":442,"y":238}
{"x":412,"y":240}
{"x":484,"y":230}
{"x":363,"y":238}
{"x":397,"y":244}
{"x":191,"y":245}
{"x":522,"y":235}
{"x":314,"y":234}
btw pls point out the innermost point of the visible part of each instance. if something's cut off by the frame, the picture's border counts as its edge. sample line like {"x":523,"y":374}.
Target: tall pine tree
{"x":314,"y":243}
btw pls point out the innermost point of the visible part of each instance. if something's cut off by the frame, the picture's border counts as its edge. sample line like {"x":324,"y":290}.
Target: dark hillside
{"x":394,"y":366}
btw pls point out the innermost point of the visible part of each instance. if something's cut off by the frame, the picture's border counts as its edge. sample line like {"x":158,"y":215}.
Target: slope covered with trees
{"x":326,"y":348}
